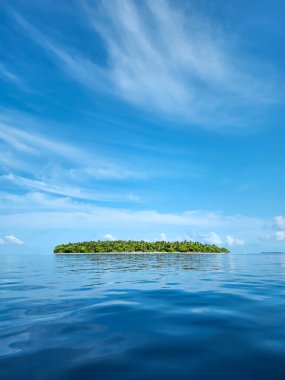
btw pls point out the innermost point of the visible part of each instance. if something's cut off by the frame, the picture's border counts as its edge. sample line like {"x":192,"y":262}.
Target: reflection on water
{"x":142,"y":316}
{"x":138,"y":262}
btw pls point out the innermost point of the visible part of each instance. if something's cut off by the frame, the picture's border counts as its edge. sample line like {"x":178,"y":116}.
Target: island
{"x":133,"y":246}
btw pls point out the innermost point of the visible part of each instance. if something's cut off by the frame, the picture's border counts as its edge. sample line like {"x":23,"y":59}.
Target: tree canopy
{"x":138,"y":246}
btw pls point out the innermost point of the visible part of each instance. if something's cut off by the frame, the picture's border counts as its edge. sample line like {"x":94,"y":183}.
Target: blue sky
{"x":142,"y":120}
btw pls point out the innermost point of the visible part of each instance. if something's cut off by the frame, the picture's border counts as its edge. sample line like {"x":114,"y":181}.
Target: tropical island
{"x":132,"y":246}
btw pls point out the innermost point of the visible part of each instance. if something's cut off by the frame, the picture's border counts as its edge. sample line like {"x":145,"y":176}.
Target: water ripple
{"x":142,"y":317}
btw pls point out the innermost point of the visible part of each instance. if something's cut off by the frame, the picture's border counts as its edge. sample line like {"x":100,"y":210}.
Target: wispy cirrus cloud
{"x":34,"y":143}
{"x":106,"y":172}
{"x":10,"y":76}
{"x":68,"y":212}
{"x":36,"y":209}
{"x":68,"y":190}
{"x":31,"y":143}
{"x":33,"y":161}
{"x":79,"y":67}
{"x":177,"y":65}
{"x":20,"y":135}
{"x":10,"y":240}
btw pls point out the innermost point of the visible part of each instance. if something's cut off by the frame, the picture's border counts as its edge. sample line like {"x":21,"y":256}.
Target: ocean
{"x":158,"y":316}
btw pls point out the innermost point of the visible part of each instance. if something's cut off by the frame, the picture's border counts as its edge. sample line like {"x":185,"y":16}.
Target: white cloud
{"x":179,"y":67}
{"x":22,"y":141}
{"x":162,"y":236}
{"x":166,"y":61}
{"x":212,"y":238}
{"x":8,"y":75}
{"x":78,"y":67}
{"x":106,"y":172}
{"x":67,"y":190}
{"x":231,"y":241}
{"x":59,"y":168}
{"x":280,"y":235}
{"x":66,"y":212}
{"x":34,"y":143}
{"x":279,"y":222}
{"x":109,"y":237}
{"x":38,"y":210}
{"x":11,"y":240}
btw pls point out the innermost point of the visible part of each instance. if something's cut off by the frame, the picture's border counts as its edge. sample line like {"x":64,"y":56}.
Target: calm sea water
{"x":126,"y":317}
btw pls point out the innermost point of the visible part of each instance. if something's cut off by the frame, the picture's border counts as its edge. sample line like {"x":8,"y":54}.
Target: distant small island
{"x":132,"y":246}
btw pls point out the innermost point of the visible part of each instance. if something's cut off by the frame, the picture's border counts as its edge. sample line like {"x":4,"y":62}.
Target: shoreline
{"x":140,"y":253}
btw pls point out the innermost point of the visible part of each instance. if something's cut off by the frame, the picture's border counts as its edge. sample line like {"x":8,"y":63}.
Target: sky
{"x":154,"y":120}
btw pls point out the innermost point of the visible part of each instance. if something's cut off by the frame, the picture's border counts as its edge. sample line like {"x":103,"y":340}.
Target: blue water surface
{"x":158,"y":316}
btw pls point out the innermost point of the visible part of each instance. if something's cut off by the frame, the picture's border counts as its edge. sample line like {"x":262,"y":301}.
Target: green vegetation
{"x":137,"y":246}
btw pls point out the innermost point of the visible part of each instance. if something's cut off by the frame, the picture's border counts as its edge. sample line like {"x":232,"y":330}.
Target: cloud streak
{"x":34,"y":143}
{"x":69,"y":213}
{"x":159,"y":59}
{"x":68,"y":190}
{"x":9,"y":76}
{"x":11,"y":240}
{"x":33,"y":161}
